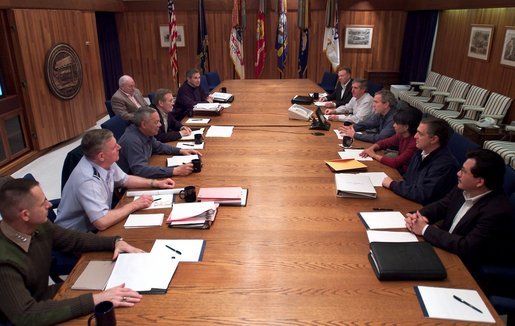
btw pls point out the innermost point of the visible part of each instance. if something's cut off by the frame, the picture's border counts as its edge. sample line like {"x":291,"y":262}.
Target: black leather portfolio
{"x":405,"y":261}
{"x":298,"y":99}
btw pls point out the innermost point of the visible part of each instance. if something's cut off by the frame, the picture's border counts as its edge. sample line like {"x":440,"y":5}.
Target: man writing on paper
{"x":475,"y":217}
{"x":127,"y":99}
{"x":358,"y":109}
{"x":138,"y":144}
{"x":87,"y":195}
{"x":380,"y":124}
{"x":432,"y":170}
{"x":27,"y":239}
{"x":342,"y":94}
{"x":189,"y":94}
{"x":170,"y":129}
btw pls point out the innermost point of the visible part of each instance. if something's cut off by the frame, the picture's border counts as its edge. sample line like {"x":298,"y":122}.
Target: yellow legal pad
{"x":346,"y":165}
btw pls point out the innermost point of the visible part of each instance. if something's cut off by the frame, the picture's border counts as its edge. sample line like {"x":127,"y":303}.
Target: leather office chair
{"x":72,"y":159}
{"x":372,"y":87}
{"x":151,"y":96}
{"x":203,"y":84}
{"x":328,"y":82}
{"x":62,"y":263}
{"x":109,"y":108}
{"x":213,"y":80}
{"x":117,"y":125}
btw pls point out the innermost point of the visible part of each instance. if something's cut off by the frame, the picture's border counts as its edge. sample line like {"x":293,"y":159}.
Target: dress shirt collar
{"x":473,"y":200}
{"x":102,"y":172}
{"x":22,"y":240}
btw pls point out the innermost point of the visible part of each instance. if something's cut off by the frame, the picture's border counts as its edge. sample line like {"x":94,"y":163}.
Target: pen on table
{"x":196,"y":120}
{"x":466,"y":303}
{"x":157,"y":199}
{"x":382,"y":209}
{"x":357,"y":147}
{"x":188,"y":145}
{"x":174,"y":250}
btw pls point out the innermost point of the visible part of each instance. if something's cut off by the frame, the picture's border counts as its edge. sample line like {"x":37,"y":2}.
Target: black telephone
{"x":320,"y":122}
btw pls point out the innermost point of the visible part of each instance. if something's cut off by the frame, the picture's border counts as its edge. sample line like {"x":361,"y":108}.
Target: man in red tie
{"x":127,"y":98}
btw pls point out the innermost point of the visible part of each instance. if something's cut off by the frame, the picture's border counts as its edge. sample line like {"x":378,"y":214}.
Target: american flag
{"x":172,"y":28}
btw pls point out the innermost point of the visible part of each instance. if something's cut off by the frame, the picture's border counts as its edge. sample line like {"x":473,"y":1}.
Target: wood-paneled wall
{"x":51,"y":119}
{"x":148,"y":63}
{"x":450,"y":55}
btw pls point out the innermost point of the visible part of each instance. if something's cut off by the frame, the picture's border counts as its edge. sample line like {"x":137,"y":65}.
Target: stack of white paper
{"x":383,"y":220}
{"x":353,"y":154}
{"x":207,"y":106}
{"x":143,"y":220}
{"x":195,"y":215}
{"x":390,"y":236}
{"x":180,"y":159}
{"x":219,"y":131}
{"x":197,"y":121}
{"x":354,"y":185}
{"x":223,"y":97}
{"x":132,"y":193}
{"x":190,"y":145}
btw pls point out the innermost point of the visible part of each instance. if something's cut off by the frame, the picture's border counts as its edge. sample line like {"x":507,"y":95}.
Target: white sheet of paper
{"x":219,"y":131}
{"x":390,"y":236}
{"x":180,"y":159}
{"x":160,"y":201}
{"x":207,"y":106}
{"x":190,"y":145}
{"x":338,"y":134}
{"x":132,"y":193}
{"x":185,"y":210}
{"x":191,"y":249}
{"x":193,"y":133}
{"x":197,"y":121}
{"x":376,"y":177}
{"x":440,"y":303}
{"x":384,"y":220}
{"x":144,"y":220}
{"x":319,"y":103}
{"x":353,"y":154}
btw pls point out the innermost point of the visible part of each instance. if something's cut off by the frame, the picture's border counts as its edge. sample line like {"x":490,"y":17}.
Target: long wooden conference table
{"x":296,"y":254}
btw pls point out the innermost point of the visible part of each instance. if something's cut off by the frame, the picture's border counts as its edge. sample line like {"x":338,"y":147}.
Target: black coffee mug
{"x":316,"y":96}
{"x":223,"y":89}
{"x":188,"y":194}
{"x":103,"y":314}
{"x":347,"y":123}
{"x":197,"y":165}
{"x":347,"y":141}
{"x":198,"y":139}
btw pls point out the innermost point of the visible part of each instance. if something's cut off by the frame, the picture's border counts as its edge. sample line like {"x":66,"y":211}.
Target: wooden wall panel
{"x":52,"y":119}
{"x":148,"y":63}
{"x":450,"y":56}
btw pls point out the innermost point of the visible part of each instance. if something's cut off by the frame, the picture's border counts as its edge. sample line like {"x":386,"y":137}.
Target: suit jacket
{"x":174,"y":127}
{"x":123,"y":106}
{"x":337,"y":97}
{"x":483,"y":235}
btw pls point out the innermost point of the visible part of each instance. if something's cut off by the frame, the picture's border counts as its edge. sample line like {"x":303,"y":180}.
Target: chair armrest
{"x":441,"y":93}
{"x":416,"y":83}
{"x":431,"y":88}
{"x":473,"y":108}
{"x":455,"y":99}
{"x":497,"y":117}
{"x":509,"y":128}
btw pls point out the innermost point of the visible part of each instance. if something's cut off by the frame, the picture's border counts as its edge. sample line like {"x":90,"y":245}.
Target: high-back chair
{"x":328,"y":82}
{"x":458,"y":90}
{"x":436,"y":92}
{"x":117,"y":125}
{"x":109,"y":108}
{"x":213,"y":79}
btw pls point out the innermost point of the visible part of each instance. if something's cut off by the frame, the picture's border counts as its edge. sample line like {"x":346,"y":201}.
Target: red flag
{"x":236,"y":41}
{"x":172,"y":29}
{"x":260,"y":40}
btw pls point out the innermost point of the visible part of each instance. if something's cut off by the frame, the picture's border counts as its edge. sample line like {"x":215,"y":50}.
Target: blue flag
{"x":281,"y":43}
{"x":202,"y":48}
{"x":303,"y":52}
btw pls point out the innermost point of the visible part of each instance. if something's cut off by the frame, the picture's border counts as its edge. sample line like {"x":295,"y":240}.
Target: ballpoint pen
{"x":157,"y":199}
{"x":466,"y":303}
{"x":382,"y":209}
{"x":188,"y":145}
{"x":174,"y":250}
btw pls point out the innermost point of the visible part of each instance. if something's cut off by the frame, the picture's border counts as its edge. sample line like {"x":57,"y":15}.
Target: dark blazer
{"x":123,"y":106}
{"x":172,"y":133}
{"x":337,"y":97}
{"x":483,"y":235}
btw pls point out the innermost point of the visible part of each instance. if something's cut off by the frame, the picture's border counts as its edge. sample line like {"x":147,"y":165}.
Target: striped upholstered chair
{"x":444,"y":83}
{"x":504,"y":148}
{"x":496,"y":108}
{"x":476,"y":96}
{"x":458,"y":90}
{"x":425,"y":88}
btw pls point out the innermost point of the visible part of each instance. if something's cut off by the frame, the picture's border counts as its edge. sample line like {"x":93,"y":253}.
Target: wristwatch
{"x":118,"y":239}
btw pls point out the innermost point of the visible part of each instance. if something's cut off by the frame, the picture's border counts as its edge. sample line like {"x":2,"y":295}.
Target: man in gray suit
{"x":127,"y":98}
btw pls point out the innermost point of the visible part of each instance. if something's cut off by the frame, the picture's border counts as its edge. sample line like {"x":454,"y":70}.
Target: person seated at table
{"x":189,"y":94}
{"x":377,"y":126}
{"x":139,"y":143}
{"x":432,"y":170}
{"x":474,"y":219}
{"x":127,"y":99}
{"x":87,"y":195}
{"x":358,"y":109}
{"x":406,"y":121}
{"x":342,"y":94}
{"x":170,"y":129}
{"x":27,"y":239}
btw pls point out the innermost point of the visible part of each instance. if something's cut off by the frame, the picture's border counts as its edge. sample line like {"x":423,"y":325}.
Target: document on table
{"x":338,"y":134}
{"x":455,"y":304}
{"x":143,"y":272}
{"x":187,"y":250}
{"x":383,"y":220}
{"x":190,"y":145}
{"x":219,"y":131}
{"x":144,"y":220}
{"x":207,"y":106}
{"x":197,"y":121}
{"x":193,"y":133}
{"x":180,"y":159}
{"x":376,"y":177}
{"x":354,"y":185}
{"x":354,"y":154}
{"x":95,"y":276}
{"x":132,"y":193}
{"x":390,"y":236}
{"x":160,"y":201}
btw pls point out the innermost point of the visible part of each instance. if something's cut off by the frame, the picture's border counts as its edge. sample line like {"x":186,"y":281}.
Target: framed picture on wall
{"x":508,"y":47}
{"x":165,"y":36}
{"x":358,"y":37}
{"x":180,"y":36}
{"x":480,"y":41}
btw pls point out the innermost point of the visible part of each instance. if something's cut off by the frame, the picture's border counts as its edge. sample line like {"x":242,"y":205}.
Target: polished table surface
{"x":296,"y":254}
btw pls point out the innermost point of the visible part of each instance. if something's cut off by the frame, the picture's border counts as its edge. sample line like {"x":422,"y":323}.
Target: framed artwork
{"x":480,"y":41}
{"x":358,"y":37}
{"x":164,"y":36}
{"x":508,"y":47}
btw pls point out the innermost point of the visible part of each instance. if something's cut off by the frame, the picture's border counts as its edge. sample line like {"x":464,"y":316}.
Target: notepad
{"x":144,"y":220}
{"x":390,"y":236}
{"x":190,"y":145}
{"x":197,"y":121}
{"x":226,"y":196}
{"x":347,"y":165}
{"x":160,"y":201}
{"x":180,"y":159}
{"x":191,"y":250}
{"x":383,"y":220}
{"x":354,"y":185}
{"x":220,"y":131}
{"x":354,"y":154}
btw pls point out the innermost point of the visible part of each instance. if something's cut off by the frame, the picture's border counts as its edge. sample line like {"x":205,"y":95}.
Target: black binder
{"x":394,"y":261}
{"x":298,"y":99}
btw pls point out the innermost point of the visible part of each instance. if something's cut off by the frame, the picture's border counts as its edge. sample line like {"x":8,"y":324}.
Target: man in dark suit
{"x":127,"y":99}
{"x":170,"y":129}
{"x":342,"y":94}
{"x":474,"y":219}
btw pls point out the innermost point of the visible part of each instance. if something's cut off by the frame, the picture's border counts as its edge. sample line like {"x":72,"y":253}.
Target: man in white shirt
{"x":358,"y":109}
{"x":474,"y":219}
